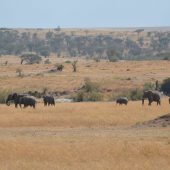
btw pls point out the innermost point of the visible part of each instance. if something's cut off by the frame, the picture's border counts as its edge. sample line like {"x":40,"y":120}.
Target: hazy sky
{"x":84,"y":13}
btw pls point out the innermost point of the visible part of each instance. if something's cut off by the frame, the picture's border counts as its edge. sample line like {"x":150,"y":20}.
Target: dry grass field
{"x":118,"y":76}
{"x":88,"y":135}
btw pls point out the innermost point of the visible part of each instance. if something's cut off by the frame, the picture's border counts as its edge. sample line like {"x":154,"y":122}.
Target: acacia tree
{"x":30,"y":58}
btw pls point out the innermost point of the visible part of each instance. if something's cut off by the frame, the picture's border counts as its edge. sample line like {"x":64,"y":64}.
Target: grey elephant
{"x":152,"y":96}
{"x":48,"y":100}
{"x":15,"y":97}
{"x":122,"y":100}
{"x":27,"y":101}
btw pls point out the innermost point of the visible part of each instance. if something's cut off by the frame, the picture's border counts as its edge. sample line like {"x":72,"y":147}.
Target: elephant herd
{"x":151,"y":96}
{"x":27,"y":100}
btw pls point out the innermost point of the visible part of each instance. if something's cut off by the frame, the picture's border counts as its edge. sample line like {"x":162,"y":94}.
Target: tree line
{"x":13,"y":42}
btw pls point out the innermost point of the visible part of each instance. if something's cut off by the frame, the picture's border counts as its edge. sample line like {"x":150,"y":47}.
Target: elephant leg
{"x":143,"y":101}
{"x":149,"y":103}
{"x":25,"y":106}
{"x":159,"y":102}
{"x":20,"y":106}
{"x":16,"y":105}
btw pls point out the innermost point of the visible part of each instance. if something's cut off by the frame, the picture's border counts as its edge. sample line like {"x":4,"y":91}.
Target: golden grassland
{"x":117,"y":76}
{"x":83,"y":136}
{"x":88,"y":135}
{"x":71,"y":115}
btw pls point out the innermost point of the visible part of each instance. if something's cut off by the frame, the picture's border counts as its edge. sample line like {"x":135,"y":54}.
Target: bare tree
{"x":74,"y":65}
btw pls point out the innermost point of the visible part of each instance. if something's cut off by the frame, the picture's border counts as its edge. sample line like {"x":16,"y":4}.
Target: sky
{"x":84,"y":13}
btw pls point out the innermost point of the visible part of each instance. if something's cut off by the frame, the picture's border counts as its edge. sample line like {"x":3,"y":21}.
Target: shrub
{"x":94,"y":96}
{"x":149,"y":86}
{"x":96,"y":59}
{"x":89,"y":92}
{"x":113,"y":59}
{"x":19,"y":72}
{"x":47,"y":61}
{"x":84,"y":96}
{"x":165,"y":87}
{"x":59,"y":67}
{"x":136,"y":94}
{"x":79,"y":97}
{"x":90,"y":86}
{"x":68,"y":62}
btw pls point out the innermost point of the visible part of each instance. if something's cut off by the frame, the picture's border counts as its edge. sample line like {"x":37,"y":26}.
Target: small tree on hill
{"x":30,"y":58}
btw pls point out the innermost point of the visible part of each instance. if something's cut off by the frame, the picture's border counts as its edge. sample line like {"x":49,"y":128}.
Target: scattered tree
{"x":19,"y":72}
{"x":59,"y":67}
{"x":74,"y":65}
{"x":47,"y":61}
{"x":31,"y":58}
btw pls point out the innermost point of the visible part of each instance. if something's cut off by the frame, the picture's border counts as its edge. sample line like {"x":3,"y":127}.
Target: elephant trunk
{"x":7,"y":102}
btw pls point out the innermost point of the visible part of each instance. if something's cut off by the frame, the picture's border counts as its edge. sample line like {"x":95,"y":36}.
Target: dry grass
{"x":69,"y":115}
{"x":93,"y":136}
{"x":95,"y":153}
{"x":109,"y":75}
{"x":83,"y":136}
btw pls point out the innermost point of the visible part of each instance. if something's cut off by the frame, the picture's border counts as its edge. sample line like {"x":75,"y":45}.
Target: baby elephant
{"x":48,"y":100}
{"x":122,"y":100}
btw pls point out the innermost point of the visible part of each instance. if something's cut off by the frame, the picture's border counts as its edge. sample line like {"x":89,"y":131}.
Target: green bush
{"x":89,"y":92}
{"x":149,"y":86}
{"x":135,"y":94}
{"x":79,"y":97}
{"x":113,"y":59}
{"x":165,"y":87}
{"x":96,"y":59}
{"x":4,"y":94}
{"x":68,"y":62}
{"x":47,"y":61}
{"x":84,"y":96}
{"x":90,"y":86}
{"x":94,"y":96}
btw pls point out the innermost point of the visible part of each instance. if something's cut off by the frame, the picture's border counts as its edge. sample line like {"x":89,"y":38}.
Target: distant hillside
{"x":118,"y":43}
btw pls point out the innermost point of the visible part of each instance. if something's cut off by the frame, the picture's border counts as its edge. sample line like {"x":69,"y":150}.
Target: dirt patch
{"x":162,"y":121}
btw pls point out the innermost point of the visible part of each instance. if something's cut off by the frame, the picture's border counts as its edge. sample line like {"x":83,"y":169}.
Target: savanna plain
{"x":83,"y":135}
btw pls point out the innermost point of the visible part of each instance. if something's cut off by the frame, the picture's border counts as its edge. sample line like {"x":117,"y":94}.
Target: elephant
{"x":14,"y":97}
{"x":122,"y":100}
{"x":48,"y":100}
{"x":27,"y":101}
{"x":152,"y":96}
